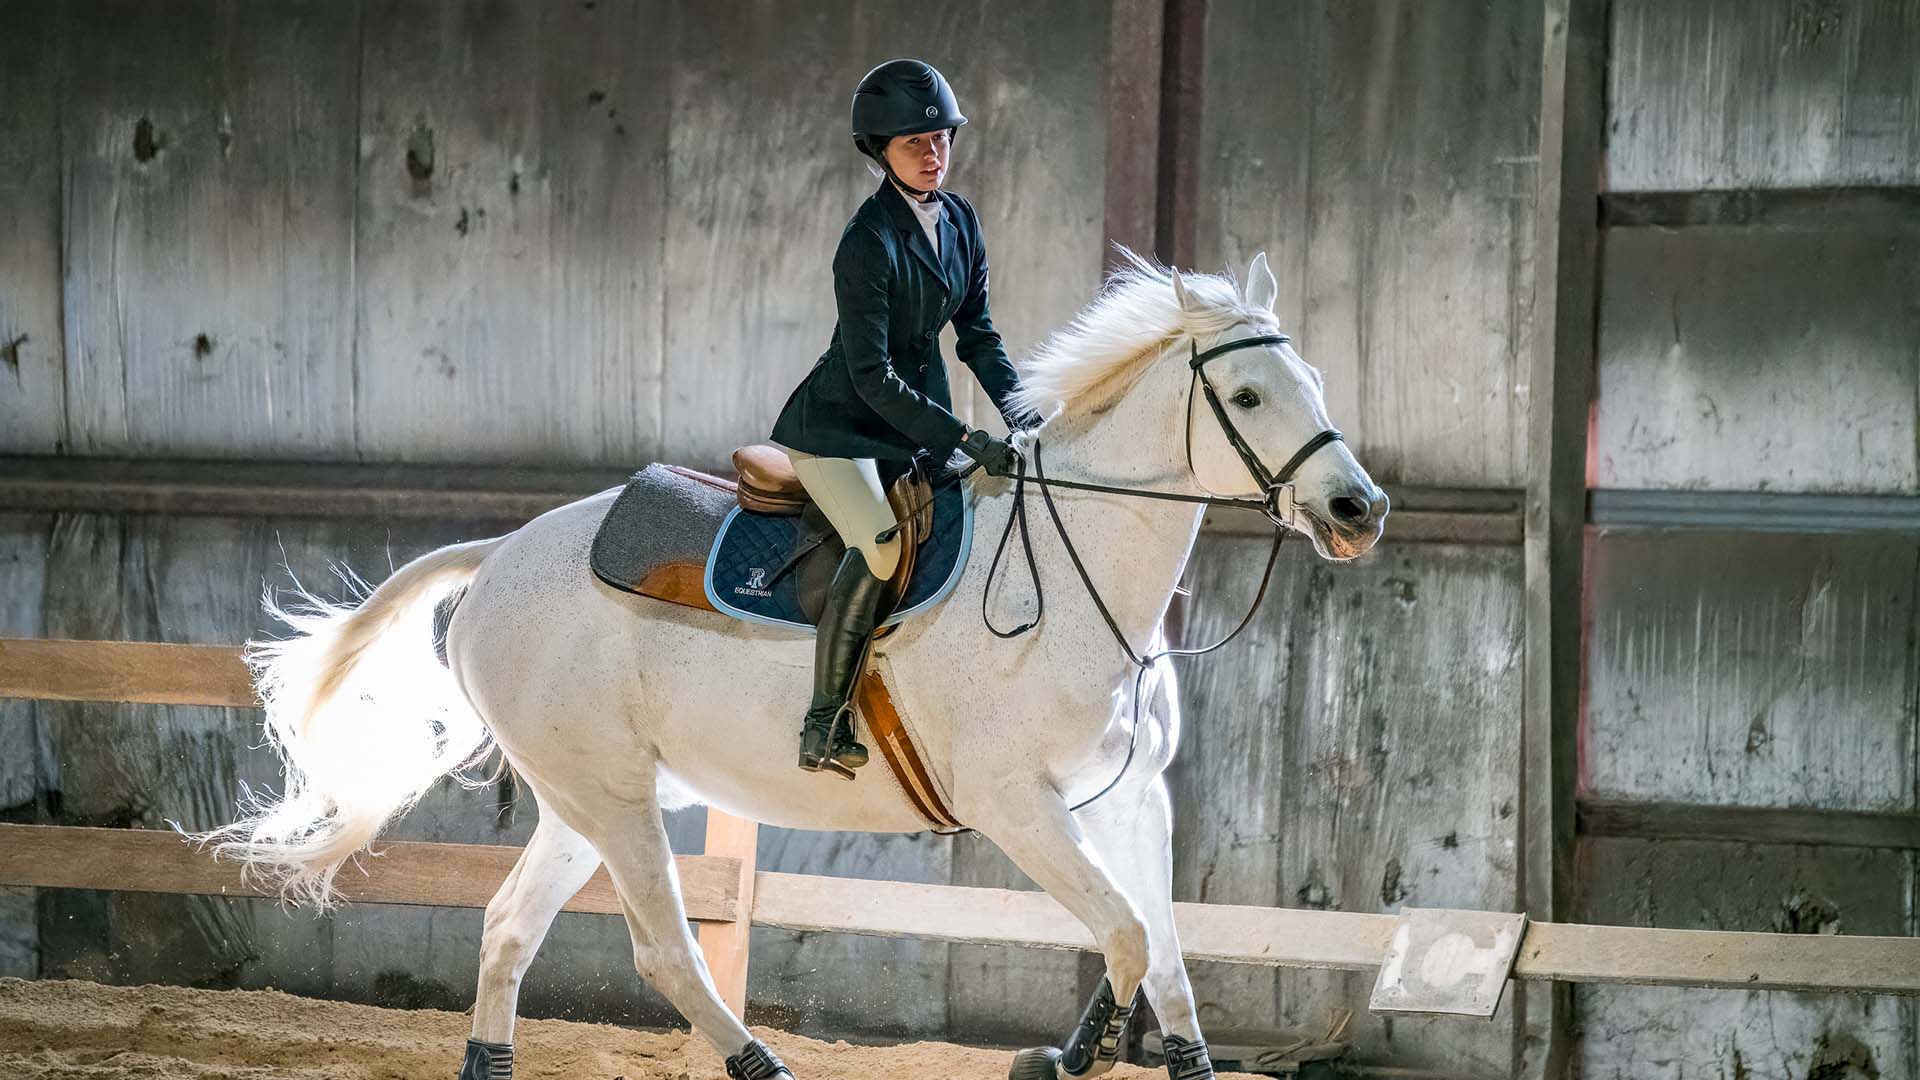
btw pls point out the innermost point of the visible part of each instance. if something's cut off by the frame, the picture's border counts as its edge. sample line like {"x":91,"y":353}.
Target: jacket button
{"x":931,"y":334}
{"x":923,"y":369}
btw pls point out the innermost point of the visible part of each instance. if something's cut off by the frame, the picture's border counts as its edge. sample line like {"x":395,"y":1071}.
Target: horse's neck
{"x":1135,"y":549}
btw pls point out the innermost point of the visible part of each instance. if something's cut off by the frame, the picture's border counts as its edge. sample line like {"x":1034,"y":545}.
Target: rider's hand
{"x":994,"y":455}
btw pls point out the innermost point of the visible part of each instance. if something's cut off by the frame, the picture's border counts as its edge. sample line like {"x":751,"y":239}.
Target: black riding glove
{"x":994,"y":455}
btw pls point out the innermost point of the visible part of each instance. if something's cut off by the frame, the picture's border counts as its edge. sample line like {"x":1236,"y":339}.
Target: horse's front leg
{"x":1132,"y":828}
{"x":1044,"y":839}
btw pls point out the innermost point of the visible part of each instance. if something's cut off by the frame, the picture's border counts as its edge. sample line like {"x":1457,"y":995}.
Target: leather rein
{"x":1272,"y":485}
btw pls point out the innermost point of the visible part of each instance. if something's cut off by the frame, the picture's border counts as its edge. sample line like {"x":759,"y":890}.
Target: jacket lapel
{"x":953,"y":267}
{"x":916,"y":237}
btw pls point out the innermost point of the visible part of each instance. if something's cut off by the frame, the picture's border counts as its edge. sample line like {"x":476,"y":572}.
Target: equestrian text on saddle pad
{"x":745,"y":576}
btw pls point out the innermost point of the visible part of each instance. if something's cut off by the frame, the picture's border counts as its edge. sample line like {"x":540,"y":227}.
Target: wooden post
{"x":725,"y":944}
{"x":1566,"y":268}
{"x":1134,"y":53}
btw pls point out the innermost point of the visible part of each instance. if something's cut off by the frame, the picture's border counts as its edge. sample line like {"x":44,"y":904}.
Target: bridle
{"x":1272,"y":485}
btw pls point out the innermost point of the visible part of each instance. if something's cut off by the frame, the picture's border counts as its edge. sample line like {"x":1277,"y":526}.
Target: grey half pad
{"x":660,"y":517}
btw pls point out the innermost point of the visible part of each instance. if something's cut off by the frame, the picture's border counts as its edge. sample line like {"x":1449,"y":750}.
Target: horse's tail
{"x":365,"y":719}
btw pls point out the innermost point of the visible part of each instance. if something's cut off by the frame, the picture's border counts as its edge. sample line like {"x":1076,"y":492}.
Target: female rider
{"x":910,"y":261}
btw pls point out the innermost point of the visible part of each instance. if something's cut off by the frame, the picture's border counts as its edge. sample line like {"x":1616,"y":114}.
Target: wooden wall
{"x":1756,"y":351}
{"x":579,"y":234}
{"x":529,"y":233}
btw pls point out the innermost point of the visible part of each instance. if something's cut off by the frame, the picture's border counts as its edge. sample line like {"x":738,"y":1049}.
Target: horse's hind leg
{"x":633,"y":842}
{"x":556,"y":863}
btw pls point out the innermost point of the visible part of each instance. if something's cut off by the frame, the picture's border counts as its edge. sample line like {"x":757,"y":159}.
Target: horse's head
{"x":1132,"y":350}
{"x":1276,"y":403}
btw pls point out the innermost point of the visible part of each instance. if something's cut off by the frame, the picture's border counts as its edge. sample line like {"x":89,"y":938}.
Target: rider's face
{"x":920,"y":161}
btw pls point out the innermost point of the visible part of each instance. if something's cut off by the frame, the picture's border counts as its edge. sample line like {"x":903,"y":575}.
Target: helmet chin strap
{"x":915,"y":193}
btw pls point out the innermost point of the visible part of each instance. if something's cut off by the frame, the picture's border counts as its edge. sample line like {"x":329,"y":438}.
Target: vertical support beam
{"x":1565,"y":286}
{"x":725,"y":944}
{"x":1181,"y":77}
{"x":1134,"y":54}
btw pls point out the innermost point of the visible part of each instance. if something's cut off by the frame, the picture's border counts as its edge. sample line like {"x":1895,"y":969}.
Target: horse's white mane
{"x":1087,"y":364}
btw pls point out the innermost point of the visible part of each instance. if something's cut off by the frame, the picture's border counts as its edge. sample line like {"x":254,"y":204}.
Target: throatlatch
{"x":756,"y":1062}
{"x":487,"y":1061}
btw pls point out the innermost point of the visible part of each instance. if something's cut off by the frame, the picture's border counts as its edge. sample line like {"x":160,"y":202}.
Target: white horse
{"x":611,"y":707}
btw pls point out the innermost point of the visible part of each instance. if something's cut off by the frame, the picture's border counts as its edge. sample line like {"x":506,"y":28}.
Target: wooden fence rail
{"x":726,"y":895}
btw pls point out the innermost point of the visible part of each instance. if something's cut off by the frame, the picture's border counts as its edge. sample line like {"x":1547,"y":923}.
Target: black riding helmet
{"x":901,"y":97}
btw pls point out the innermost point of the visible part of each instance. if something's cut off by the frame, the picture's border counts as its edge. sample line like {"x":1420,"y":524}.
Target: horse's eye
{"x":1246,"y":398}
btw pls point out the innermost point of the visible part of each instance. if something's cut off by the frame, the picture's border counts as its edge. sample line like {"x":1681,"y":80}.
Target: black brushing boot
{"x":840,"y":647}
{"x":756,"y":1062}
{"x":487,"y":1061}
{"x":1090,"y":1051}
{"x":1186,"y":1060}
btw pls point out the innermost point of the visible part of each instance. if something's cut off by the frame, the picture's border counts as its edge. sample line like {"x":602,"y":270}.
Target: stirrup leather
{"x":756,"y":1062}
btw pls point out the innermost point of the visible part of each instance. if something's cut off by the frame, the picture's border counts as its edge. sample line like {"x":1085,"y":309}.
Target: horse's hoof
{"x":1036,"y":1063}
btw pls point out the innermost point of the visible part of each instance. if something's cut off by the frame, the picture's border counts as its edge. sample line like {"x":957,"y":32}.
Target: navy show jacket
{"x":880,"y":390}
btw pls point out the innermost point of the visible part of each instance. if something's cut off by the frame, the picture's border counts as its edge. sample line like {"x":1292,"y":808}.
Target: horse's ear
{"x":1262,"y":289}
{"x":1180,"y":292}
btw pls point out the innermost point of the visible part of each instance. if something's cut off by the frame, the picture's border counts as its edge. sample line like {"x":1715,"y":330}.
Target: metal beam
{"x":505,"y":497}
{"x":1788,"y":207}
{"x":269,"y":489}
{"x":1627,"y":819}
{"x":1754,"y":511}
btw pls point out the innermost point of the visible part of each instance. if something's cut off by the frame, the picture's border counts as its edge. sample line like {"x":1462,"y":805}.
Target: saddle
{"x":766,"y":484}
{"x":756,"y":547}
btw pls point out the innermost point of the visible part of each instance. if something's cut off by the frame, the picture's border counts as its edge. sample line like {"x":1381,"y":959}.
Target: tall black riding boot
{"x":847,"y":621}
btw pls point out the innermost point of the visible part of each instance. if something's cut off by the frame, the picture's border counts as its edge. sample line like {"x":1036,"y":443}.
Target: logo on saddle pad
{"x":756,"y":583}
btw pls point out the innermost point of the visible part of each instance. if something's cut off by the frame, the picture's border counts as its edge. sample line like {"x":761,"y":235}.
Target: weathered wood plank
{"x":1760,"y":670}
{"x":1387,"y":167}
{"x":509,"y":229}
{"x":1747,"y":824}
{"x":1738,"y":94}
{"x":399,"y":872}
{"x":32,"y":339}
{"x":137,"y":671}
{"x":465,"y":875}
{"x":1760,"y":359}
{"x":980,"y":916}
{"x":1708,"y":958}
{"x":208,"y":151}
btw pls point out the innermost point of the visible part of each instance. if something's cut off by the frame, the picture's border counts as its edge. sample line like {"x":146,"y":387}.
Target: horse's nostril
{"x":1347,"y":509}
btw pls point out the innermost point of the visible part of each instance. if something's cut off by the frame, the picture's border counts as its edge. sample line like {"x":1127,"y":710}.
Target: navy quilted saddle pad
{"x":665,"y":518}
{"x":751,"y":547}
